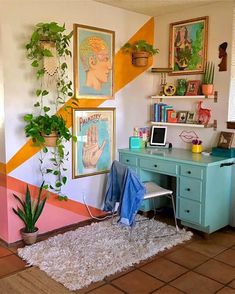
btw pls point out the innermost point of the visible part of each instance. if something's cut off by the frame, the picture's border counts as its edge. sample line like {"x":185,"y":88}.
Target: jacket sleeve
{"x":133,"y":194}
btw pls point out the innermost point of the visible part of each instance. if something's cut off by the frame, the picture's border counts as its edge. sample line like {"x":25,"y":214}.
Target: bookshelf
{"x":178,"y":124}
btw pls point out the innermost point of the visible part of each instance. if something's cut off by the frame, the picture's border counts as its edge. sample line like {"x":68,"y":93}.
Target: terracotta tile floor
{"x":201,"y":265}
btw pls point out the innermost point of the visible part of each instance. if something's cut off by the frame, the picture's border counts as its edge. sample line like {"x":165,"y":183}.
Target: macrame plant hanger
{"x":50,"y":64}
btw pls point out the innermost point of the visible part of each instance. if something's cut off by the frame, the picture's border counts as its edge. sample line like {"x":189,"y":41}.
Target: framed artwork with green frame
{"x":188,"y":46}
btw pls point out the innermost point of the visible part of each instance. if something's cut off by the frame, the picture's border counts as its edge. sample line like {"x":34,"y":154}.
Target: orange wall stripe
{"x":2,"y":168}
{"x":125,"y":72}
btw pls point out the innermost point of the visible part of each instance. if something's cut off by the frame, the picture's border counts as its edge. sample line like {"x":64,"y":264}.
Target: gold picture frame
{"x":94,"y":151}
{"x":188,"y":46}
{"x":93,"y":52}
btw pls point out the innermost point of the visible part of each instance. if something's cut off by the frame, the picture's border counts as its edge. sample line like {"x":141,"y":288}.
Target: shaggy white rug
{"x":88,"y":254}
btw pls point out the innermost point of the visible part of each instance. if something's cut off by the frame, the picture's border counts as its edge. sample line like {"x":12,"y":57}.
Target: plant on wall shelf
{"x":208,"y":79}
{"x":48,"y":50}
{"x":140,"y":51}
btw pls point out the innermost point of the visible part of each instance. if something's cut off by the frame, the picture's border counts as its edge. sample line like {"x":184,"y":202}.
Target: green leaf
{"x":46,"y":109}
{"x":48,"y":170}
{"x":58,"y":184}
{"x":35,"y":63}
{"x":28,"y":117}
{"x":64,"y":180}
{"x":44,"y":149}
{"x":36,"y":104}
{"x":45,"y":92}
{"x":38,"y":92}
{"x":47,"y":53}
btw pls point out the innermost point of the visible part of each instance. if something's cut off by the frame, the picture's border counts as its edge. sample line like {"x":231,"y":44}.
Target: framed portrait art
{"x":188,"y":46}
{"x":192,"y":88}
{"x":93,"y":62}
{"x":93,"y":153}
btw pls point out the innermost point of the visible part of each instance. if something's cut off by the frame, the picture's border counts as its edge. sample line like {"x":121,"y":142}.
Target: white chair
{"x":154,"y":191}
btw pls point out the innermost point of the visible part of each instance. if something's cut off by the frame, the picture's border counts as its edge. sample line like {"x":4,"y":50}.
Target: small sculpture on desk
{"x":204,"y":114}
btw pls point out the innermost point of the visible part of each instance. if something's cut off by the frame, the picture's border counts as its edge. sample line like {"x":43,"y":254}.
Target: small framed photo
{"x":193,"y":87}
{"x":191,"y":117}
{"x":225,"y":140}
{"x":182,"y":116}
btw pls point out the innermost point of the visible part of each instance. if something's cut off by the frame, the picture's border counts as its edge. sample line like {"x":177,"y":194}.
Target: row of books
{"x":164,"y":113}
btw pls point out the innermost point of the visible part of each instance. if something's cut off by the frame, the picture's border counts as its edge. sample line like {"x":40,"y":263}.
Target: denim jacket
{"x":125,"y":187}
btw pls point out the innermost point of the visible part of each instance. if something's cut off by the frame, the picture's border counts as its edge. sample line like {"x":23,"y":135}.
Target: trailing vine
{"x":50,"y":44}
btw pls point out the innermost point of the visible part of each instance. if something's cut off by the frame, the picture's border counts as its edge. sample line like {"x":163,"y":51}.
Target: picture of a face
{"x":95,"y":59}
{"x":102,"y":67}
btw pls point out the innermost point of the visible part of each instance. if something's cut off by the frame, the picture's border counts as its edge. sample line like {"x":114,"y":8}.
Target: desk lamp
{"x":163,"y":71}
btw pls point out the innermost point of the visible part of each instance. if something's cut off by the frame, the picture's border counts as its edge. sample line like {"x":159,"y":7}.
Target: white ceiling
{"x":157,"y":7}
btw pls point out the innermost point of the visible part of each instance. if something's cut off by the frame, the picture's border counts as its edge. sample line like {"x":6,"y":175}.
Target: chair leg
{"x":173,"y":205}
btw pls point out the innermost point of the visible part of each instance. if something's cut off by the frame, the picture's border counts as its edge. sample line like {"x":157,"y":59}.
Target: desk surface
{"x":176,"y":154}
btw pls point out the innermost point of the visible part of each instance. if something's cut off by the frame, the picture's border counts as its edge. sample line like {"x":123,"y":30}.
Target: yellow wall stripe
{"x":125,"y":72}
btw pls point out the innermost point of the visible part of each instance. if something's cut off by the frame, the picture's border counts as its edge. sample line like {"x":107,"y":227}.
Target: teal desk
{"x":202,"y":184}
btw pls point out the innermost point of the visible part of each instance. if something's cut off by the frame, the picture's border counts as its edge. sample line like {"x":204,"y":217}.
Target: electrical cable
{"x":94,"y":217}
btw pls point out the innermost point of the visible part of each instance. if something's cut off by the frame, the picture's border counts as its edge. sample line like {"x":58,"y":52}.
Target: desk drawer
{"x":159,"y":165}
{"x":191,"y":188}
{"x":191,"y":171}
{"x":190,"y":211}
{"x":128,"y":159}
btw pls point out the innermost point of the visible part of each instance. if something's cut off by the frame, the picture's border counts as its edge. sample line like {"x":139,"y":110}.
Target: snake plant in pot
{"x":208,"y":79}
{"x":48,"y":50}
{"x":140,"y":50}
{"x":29,"y":213}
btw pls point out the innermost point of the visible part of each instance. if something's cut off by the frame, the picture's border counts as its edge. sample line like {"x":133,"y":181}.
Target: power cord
{"x":94,"y":217}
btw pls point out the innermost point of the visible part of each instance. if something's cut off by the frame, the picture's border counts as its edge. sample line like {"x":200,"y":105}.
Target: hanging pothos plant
{"x":48,"y":49}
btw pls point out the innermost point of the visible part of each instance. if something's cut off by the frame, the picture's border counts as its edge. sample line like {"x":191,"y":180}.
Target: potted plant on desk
{"x":29,"y":212}
{"x":197,"y":146}
{"x":141,"y":50}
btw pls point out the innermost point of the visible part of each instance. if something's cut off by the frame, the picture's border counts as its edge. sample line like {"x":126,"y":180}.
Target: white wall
{"x":17,"y":20}
{"x":220,"y":30}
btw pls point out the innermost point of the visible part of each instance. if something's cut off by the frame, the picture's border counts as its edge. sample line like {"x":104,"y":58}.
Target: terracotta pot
{"x":29,"y":238}
{"x":207,"y":90}
{"x":140,"y":58}
{"x":50,"y":140}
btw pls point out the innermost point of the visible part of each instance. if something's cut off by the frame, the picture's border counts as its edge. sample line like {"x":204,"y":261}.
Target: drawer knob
{"x":187,"y":210}
{"x":189,"y":172}
{"x":127,"y":160}
{"x":188,"y":189}
{"x":155,"y":165}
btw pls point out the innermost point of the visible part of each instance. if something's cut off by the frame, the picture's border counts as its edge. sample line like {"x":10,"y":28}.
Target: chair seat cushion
{"x":154,"y":190}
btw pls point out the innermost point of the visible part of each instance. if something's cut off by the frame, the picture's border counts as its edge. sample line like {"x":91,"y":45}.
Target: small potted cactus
{"x":208,"y":79}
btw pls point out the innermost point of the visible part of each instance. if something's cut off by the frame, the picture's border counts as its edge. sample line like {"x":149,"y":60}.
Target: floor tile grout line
{"x":163,"y":280}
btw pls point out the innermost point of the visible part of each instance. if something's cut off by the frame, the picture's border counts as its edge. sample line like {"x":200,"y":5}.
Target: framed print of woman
{"x":93,"y":62}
